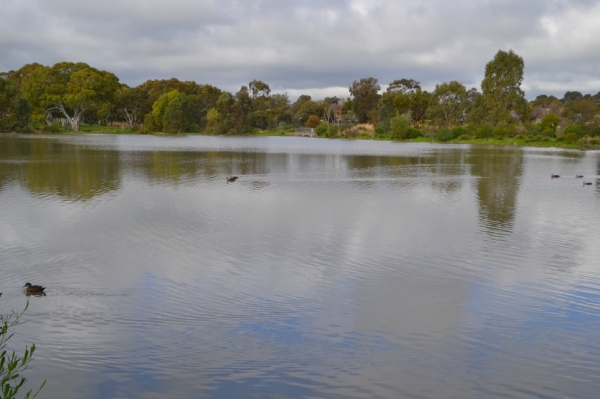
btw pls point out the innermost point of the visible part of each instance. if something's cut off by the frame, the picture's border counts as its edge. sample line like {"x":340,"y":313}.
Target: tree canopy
{"x":77,"y":93}
{"x":502,"y":97}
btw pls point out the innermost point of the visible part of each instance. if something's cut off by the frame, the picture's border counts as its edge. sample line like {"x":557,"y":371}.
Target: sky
{"x":310,"y":47}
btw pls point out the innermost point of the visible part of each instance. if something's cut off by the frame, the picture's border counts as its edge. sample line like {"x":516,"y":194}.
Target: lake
{"x":329,"y":269}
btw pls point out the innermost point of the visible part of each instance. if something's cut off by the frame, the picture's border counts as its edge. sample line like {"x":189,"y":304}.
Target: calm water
{"x":330,"y":269}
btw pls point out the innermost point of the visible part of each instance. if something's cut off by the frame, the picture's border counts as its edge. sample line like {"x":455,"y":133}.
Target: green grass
{"x":97,"y":129}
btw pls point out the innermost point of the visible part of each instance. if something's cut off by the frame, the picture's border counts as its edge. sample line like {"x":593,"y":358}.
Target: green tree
{"x":70,"y":90}
{"x":366,"y":97}
{"x":399,"y":127}
{"x":170,"y":113}
{"x":175,"y":118}
{"x":11,"y":365}
{"x":14,"y":109}
{"x":448,"y":104}
{"x":501,"y":88}
{"x":259,"y":91}
{"x":550,"y":122}
{"x":131,"y":101}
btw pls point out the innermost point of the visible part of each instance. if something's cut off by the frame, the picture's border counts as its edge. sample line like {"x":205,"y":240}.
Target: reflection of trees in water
{"x":497,"y":189}
{"x":9,"y":158}
{"x":446,"y":166}
{"x":438,"y":167}
{"x":51,"y":167}
{"x":184,"y":166}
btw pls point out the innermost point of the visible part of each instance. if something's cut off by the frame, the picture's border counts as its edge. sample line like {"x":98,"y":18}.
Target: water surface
{"x":330,"y":269}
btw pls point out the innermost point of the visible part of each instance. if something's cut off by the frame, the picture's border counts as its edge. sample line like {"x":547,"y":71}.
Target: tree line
{"x":72,"y":94}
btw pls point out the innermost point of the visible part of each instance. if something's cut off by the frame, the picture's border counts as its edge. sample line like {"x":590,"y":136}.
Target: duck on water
{"x":34,"y":289}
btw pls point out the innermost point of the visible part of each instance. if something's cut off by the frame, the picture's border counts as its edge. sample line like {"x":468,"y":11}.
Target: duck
{"x":231,"y":179}
{"x":34,"y":289}
{"x":587,"y":183}
{"x":578,"y":176}
{"x":553,"y":176}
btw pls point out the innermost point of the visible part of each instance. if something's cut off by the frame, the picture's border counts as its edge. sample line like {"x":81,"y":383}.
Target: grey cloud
{"x":307,"y":44}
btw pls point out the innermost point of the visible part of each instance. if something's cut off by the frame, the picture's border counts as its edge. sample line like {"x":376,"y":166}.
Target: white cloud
{"x":299,"y":45}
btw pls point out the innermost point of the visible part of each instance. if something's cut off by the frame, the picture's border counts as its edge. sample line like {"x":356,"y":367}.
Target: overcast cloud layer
{"x":309,"y":46}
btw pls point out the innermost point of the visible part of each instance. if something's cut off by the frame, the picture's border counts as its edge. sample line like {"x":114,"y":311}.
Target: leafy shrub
{"x":55,"y":128}
{"x":464,"y":137}
{"x":313,"y":121}
{"x":595,"y":140}
{"x":519,"y":137}
{"x":485,"y":132}
{"x":539,"y":137}
{"x":549,"y":133}
{"x":413,"y":133}
{"x":194,"y":128}
{"x":546,"y":139}
{"x":585,"y":143}
{"x":379,"y":131}
{"x":500,"y":132}
{"x":578,"y":130}
{"x":444,"y":135}
{"x":459,"y":131}
{"x":562,"y":138}
{"x":321,"y":130}
{"x":570,"y":137}
{"x":399,"y":127}
{"x":333,"y":130}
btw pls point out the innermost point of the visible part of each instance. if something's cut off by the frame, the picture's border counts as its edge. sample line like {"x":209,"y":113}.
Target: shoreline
{"x":507,"y":142}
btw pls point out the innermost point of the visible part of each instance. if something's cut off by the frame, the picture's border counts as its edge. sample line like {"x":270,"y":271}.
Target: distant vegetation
{"x":78,"y":97}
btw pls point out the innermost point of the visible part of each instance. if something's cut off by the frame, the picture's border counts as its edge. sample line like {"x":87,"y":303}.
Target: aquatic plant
{"x":11,"y":365}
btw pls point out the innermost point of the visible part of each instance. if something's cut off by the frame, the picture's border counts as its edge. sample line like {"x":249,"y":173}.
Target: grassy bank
{"x":586,"y":143}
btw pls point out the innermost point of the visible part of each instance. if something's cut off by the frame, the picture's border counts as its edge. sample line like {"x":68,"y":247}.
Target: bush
{"x":399,"y":127}
{"x":413,"y":133}
{"x":549,"y":133}
{"x":313,"y":121}
{"x":519,"y":137}
{"x":332,"y":130}
{"x":379,"y":131}
{"x":464,"y":137}
{"x":578,"y":130}
{"x":321,"y":130}
{"x":500,"y":132}
{"x":459,"y":131}
{"x":562,"y":138}
{"x":585,"y":143}
{"x":546,"y":139}
{"x":570,"y":137}
{"x":444,"y":135}
{"x":595,"y":140}
{"x":55,"y":128}
{"x":539,"y":137}
{"x":485,"y":132}
{"x":194,"y":128}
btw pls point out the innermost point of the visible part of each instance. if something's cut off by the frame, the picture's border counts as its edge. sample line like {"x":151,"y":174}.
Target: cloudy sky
{"x":309,"y":46}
